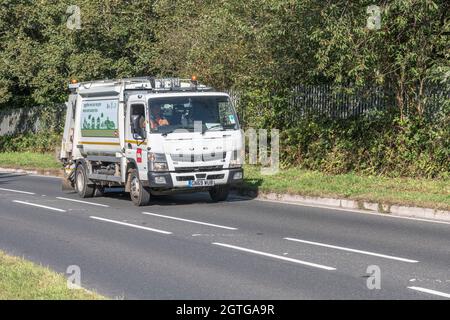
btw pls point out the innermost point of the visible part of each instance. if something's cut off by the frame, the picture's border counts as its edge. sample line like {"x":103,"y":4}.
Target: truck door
{"x":136,"y":142}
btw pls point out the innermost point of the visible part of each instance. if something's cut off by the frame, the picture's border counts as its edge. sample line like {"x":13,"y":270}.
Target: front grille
{"x":198,"y":169}
{"x":198,"y":157}
{"x":215,"y":176}
{"x":185,"y":178}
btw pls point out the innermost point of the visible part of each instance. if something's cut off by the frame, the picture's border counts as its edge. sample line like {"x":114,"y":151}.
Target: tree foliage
{"x":40,"y":54}
{"x":408,"y":52}
{"x":256,"y":45}
{"x":260,"y":48}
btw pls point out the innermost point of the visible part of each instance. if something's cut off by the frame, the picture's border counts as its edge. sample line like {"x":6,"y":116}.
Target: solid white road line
{"x":353,"y":250}
{"x":39,"y":205}
{"x":437,"y":293}
{"x":310,"y":264}
{"x":81,"y":201}
{"x":130,"y":225}
{"x":187,"y":220}
{"x":17,"y":191}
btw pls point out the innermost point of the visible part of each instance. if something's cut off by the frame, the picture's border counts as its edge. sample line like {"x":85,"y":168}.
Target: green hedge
{"x":33,"y":142}
{"x":380,"y":144}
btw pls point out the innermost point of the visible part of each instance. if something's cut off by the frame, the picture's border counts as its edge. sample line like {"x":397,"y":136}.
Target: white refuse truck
{"x":150,"y":136}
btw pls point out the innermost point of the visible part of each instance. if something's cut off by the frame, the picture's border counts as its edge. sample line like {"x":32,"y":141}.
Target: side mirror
{"x":136,"y":129}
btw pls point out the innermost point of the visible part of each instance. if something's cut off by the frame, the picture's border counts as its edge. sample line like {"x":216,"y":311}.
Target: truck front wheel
{"x":139,"y":195}
{"x":219,"y":193}
{"x":84,"y":189}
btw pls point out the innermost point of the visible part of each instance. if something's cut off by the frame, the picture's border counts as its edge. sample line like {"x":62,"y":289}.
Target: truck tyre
{"x":139,"y":195}
{"x":219,"y":193}
{"x":84,"y":189}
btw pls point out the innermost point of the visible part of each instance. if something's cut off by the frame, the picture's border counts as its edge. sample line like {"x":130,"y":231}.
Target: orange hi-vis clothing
{"x":158,"y":121}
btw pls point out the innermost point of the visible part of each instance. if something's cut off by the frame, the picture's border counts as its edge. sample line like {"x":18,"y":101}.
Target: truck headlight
{"x":159,"y":166}
{"x":156,"y":157}
{"x":236,"y":161}
{"x":235,"y":164}
{"x":157,"y":162}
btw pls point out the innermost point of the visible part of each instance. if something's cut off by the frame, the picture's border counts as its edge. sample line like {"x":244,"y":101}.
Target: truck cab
{"x":152,"y":137}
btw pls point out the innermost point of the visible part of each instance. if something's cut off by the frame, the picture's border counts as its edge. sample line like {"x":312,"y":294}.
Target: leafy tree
{"x":40,"y":54}
{"x":407,"y":52}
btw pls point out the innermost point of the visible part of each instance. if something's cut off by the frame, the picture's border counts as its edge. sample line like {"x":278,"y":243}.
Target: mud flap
{"x":68,"y":181}
{"x":67,"y":185}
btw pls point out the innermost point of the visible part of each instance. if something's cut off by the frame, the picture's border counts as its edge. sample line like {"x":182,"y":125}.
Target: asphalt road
{"x":186,"y":247}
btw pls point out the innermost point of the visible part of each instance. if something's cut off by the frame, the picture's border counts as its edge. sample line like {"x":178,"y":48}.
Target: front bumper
{"x":173,"y":180}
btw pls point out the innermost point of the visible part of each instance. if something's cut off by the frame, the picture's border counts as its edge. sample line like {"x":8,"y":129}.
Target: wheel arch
{"x":85,"y":163}
{"x":131,"y":164}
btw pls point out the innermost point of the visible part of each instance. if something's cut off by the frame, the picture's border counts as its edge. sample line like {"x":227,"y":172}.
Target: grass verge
{"x":28,"y":160}
{"x":401,"y":191}
{"x":23,"y":280}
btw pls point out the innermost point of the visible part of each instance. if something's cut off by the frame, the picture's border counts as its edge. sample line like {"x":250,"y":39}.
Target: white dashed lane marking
{"x":85,"y":202}
{"x":310,"y":264}
{"x":39,"y":205}
{"x":187,"y":220}
{"x":17,"y":191}
{"x":130,"y":225}
{"x":352,"y":250}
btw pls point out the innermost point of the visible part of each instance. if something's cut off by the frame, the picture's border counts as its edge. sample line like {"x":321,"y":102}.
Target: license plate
{"x":200,"y":183}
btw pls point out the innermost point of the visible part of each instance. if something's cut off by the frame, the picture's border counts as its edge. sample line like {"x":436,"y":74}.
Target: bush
{"x":377,"y":144}
{"x":33,"y":142}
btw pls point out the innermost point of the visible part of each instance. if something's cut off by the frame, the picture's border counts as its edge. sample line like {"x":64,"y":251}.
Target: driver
{"x":156,"y":118}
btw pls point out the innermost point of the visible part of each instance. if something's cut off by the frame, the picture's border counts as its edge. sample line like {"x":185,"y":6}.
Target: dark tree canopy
{"x":255,"y":45}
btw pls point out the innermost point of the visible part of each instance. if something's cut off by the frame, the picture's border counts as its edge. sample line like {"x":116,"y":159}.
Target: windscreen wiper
{"x":164,"y":134}
{"x":213,"y":127}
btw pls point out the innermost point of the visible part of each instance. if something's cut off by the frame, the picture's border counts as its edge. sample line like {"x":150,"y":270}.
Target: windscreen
{"x":213,"y":113}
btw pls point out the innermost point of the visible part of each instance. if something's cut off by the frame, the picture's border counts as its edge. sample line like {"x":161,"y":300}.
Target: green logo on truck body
{"x":99,"y":118}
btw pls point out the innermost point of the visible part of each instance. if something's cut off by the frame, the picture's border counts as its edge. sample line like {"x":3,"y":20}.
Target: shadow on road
{"x":6,"y":177}
{"x":244,"y":192}
{"x":188,"y":198}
